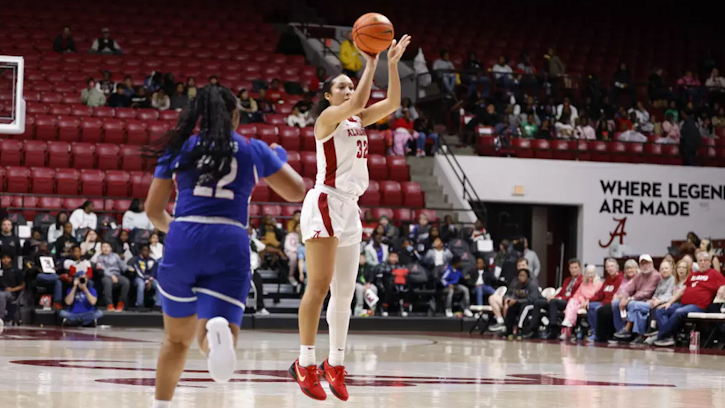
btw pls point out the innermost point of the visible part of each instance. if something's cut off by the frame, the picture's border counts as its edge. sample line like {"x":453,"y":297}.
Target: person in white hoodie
{"x":56,"y":230}
{"x":136,"y":218}
{"x":157,"y":248}
{"x":84,"y":217}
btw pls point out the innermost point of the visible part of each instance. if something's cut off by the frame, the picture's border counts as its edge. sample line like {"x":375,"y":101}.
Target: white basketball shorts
{"x":326,"y":215}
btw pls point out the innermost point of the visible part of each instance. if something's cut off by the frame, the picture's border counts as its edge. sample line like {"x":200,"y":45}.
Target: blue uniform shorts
{"x":205,"y":271}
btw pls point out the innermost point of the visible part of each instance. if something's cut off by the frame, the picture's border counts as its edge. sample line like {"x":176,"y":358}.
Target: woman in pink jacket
{"x":587,"y":289}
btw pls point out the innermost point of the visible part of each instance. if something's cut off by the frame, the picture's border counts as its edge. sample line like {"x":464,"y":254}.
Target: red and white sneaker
{"x":335,"y":376}
{"x":306,"y":378}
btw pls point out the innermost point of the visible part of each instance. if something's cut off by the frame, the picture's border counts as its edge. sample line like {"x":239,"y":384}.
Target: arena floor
{"x":96,"y":368}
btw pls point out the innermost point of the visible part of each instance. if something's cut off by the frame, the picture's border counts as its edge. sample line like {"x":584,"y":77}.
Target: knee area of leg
{"x":316,"y":291}
{"x":178,"y":340}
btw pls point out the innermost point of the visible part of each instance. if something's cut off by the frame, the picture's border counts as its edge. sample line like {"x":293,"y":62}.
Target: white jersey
{"x":342,"y":158}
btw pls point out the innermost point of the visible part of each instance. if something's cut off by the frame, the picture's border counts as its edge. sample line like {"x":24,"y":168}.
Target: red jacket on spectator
{"x":563,"y":294}
{"x":608,"y":289}
{"x":402,"y":123}
{"x":701,"y":288}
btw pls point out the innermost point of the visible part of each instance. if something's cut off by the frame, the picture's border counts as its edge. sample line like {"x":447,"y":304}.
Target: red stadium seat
{"x":114,"y":131}
{"x":412,"y":195}
{"x":599,"y":151}
{"x":398,"y":168}
{"x":91,"y":130}
{"x":290,"y":138}
{"x":68,"y":129}
{"x":294,"y":160}
{"x":108,"y":156}
{"x":34,"y":151}
{"x":260,"y":192}
{"x":121,"y":205}
{"x":371,"y":197}
{"x":376,"y":143}
{"x":391,"y":193}
{"x":402,"y":215}
{"x":275,"y":119}
{"x":72,"y":203}
{"x":268,"y":133}
{"x":582,"y":150}
{"x":157,"y":129}
{"x":50,"y":203}
{"x":58,"y":155}
{"x":103,"y":112}
{"x":308,"y":139}
{"x":309,"y":164}
{"x":169,"y":115}
{"x":131,"y":158}
{"x":522,"y":148}
{"x":50,"y":98}
{"x":66,"y":181}
{"x":83,"y":155}
{"x":377,"y":167}
{"x":81,"y":110}
{"x":273,"y":210}
{"x":10,"y":152}
{"x":117,"y":183}
{"x":43,"y":180}
{"x":562,"y":150}
{"x":137,"y":134}
{"x":18,"y":179}
{"x":542,"y":149}
{"x":46,"y":128}
{"x":125,"y":113}
{"x":289,"y":210}
{"x":147,"y":114}
{"x":140,"y":183}
{"x":26,"y":202}
{"x":653,"y":154}
{"x":672,"y":154}
{"x":91,"y":182}
{"x":61,"y":110}
{"x":248,"y":130}
{"x":432,"y":216}
{"x":617,"y":152}
{"x":380,"y":212}
{"x":635,"y":152}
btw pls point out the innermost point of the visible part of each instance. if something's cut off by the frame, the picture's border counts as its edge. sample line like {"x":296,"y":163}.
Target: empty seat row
{"x":111,"y":183}
{"x":103,"y":156}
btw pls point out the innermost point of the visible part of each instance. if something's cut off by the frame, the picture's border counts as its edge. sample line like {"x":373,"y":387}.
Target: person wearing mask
{"x":376,"y":252}
{"x":696,"y":295}
{"x":84,"y":217}
{"x":365,"y":282}
{"x":145,"y":279}
{"x":438,"y":255}
{"x":90,"y":96}
{"x":350,"y":57}
{"x":113,"y":269}
{"x":9,"y":242}
{"x":522,"y":292}
{"x":408,"y":253}
{"x":64,"y":43}
{"x":634,"y":297}
{"x":81,"y":299}
{"x":12,"y":282}
{"x":556,"y":303}
{"x":589,"y":287}
{"x":453,"y":282}
{"x":604,"y":295}
{"x":66,"y":242}
{"x":136,"y":218}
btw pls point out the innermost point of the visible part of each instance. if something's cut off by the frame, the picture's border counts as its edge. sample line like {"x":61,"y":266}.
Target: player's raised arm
{"x":390,"y":104}
{"x":354,"y":100}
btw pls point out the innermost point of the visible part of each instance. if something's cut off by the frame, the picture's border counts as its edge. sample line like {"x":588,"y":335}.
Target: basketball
{"x":373,"y":33}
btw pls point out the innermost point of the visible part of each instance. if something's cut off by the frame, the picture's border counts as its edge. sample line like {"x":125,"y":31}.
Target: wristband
{"x":281,"y":153}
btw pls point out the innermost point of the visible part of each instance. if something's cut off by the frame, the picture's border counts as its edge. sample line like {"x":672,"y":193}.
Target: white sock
{"x":161,"y":404}
{"x":307,"y":356}
{"x":337,"y":357}
{"x":499,"y":320}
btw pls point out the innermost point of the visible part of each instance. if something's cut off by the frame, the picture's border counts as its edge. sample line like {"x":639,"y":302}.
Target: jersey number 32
{"x":219,"y":191}
{"x":362,"y":149}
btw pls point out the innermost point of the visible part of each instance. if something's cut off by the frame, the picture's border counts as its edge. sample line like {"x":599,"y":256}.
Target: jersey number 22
{"x":219,"y":191}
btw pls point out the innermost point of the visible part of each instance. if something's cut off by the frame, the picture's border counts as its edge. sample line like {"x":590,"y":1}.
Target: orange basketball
{"x":373,"y":33}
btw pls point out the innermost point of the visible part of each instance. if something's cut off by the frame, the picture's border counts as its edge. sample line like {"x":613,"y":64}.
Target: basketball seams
{"x":370,"y":22}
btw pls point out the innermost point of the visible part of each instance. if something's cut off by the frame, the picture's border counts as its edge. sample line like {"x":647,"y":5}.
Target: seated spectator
{"x":106,"y":85}
{"x":30,"y":247}
{"x":589,"y":287}
{"x":369,"y":222}
{"x":503,"y":74}
{"x":256,"y":249}
{"x":658,"y":90}
{"x":179,"y":101}
{"x":564,"y":125}
{"x":119,"y":99}
{"x":623,"y":84}
{"x":90,"y":96}
{"x":432,"y":236}
{"x":689,"y":87}
{"x":376,"y":252}
{"x":403,"y":121}
{"x":522,"y":292}
{"x":401,"y":138}
{"x":305,"y":105}
{"x":683,"y":271}
{"x":437,"y":255}
{"x":44,"y":268}
{"x":453,"y":282}
{"x":603,"y":297}
{"x":483,"y":284}
{"x":419,"y":232}
{"x":84,"y":217}
{"x":9,"y":242}
{"x":272,"y":237}
{"x":479,"y":232}
{"x":113,"y":269}
{"x":129,"y":90}
{"x":706,"y":246}
{"x":632,"y":300}
{"x":81,"y":299}
{"x":66,"y":242}
{"x":603,"y":132}
{"x":56,"y":230}
{"x":12,"y":282}
{"x":584,"y":130}
{"x":391,"y":279}
{"x":350,"y":57}
{"x":249,"y":112}
{"x":160,"y":101}
{"x":696,"y":295}
{"x":105,"y":44}
{"x":528,"y":79}
{"x":406,"y":104}
{"x":408,"y":254}
{"x":497,"y":301}
{"x":154,"y":82}
{"x":121,"y":246}
{"x":624,"y":123}
{"x":634,"y":134}
{"x":145,"y":279}
{"x":528,"y":127}
{"x":573,"y":111}
{"x":448,"y":229}
{"x":476,"y":76}
{"x":556,"y":303}
{"x":425,"y":131}
{"x":294,"y":221}
{"x":292,"y":240}
{"x":643,"y":118}
{"x":390,"y":231}
{"x":190,"y":89}
{"x":365,"y":281}
{"x":299,"y":119}
{"x":264,"y":104}
{"x":715,"y":83}
{"x":157,"y":248}
{"x":443,"y":68}
{"x":670,"y":130}
{"x":91,"y":246}
{"x":77,"y":264}
{"x":664,"y":292}
{"x":140,"y":100}
{"x":136,"y":218}
{"x":64,"y":43}
{"x":544,"y":131}
{"x":672,"y":109}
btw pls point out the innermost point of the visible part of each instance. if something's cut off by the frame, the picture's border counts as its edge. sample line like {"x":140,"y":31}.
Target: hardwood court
{"x":97,"y":368}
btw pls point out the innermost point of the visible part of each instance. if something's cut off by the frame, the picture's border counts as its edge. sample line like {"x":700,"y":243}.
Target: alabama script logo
{"x":618,"y":232}
{"x":146,"y":377}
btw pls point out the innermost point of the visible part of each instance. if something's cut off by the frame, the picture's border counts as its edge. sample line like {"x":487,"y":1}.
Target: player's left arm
{"x":384,"y":108}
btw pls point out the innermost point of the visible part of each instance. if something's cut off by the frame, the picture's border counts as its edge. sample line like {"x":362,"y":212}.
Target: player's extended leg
{"x":217,"y":339}
{"x":178,"y":336}
{"x":342,"y":290}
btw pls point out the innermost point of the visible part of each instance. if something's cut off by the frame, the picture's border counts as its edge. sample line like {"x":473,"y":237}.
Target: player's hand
{"x":114,"y":278}
{"x":397,"y":49}
{"x":273,"y":146}
{"x":368,"y":57}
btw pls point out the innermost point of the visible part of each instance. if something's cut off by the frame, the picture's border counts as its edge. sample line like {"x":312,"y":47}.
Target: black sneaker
{"x":531,"y":335}
{"x":666,"y":342}
{"x":639,"y":340}
{"x":650,"y":332}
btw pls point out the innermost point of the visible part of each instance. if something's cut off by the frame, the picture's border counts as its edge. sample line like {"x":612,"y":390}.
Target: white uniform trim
{"x":175,"y":298}
{"x":210,"y":220}
{"x":219,"y":296}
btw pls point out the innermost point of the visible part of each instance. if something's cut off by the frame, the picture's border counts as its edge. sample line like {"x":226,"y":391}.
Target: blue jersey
{"x":229,"y":198}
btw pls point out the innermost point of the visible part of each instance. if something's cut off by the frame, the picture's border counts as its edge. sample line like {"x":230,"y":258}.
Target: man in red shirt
{"x":696,"y":295}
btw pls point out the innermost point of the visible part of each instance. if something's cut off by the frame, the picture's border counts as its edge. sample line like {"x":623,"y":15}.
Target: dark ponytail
{"x":324,"y":103}
{"x":212,"y":109}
